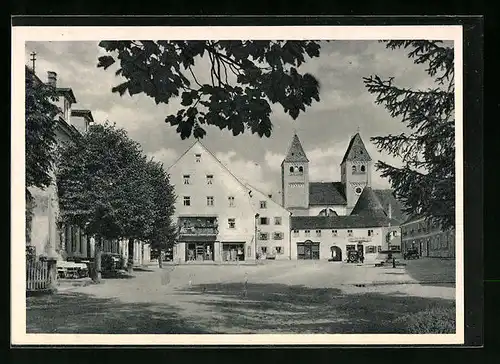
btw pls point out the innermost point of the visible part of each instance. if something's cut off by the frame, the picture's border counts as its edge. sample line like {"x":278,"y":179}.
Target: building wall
{"x":341,"y":210}
{"x":277,"y":243}
{"x":223,"y":186}
{"x":429,"y":240}
{"x":327,"y":238}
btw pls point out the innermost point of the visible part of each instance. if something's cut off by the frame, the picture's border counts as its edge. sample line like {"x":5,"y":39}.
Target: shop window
{"x":370,"y":249}
{"x":350,"y":247}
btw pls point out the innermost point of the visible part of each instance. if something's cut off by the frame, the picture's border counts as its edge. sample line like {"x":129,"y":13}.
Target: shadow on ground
{"x":271,"y":308}
{"x":86,"y":314}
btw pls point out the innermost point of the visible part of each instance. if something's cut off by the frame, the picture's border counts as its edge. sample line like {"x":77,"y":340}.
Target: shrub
{"x":435,"y":320}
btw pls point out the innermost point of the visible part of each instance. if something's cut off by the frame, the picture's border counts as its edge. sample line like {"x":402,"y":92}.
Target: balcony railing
{"x":198,"y":230}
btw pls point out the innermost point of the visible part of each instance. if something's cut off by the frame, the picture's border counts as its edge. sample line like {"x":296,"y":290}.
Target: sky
{"x":324,"y":129}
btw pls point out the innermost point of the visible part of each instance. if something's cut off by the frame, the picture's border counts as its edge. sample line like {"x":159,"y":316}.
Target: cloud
{"x":165,"y":155}
{"x":274,"y":160}
{"x":247,"y":171}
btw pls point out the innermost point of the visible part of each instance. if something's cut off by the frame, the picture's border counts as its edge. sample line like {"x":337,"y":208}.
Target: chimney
{"x":52,"y":79}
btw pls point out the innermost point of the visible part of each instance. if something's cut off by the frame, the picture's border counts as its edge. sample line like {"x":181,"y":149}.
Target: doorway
{"x":336,"y":253}
{"x":308,"y":250}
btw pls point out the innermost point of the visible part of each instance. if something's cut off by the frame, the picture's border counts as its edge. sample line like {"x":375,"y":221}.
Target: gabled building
{"x":219,"y":216}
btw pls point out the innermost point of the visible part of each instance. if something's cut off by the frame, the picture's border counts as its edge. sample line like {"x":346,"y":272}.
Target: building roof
{"x":83,"y":113}
{"x":369,"y":205}
{"x":386,"y":198}
{"x":356,"y":150}
{"x":67,"y":92}
{"x":326,"y":193}
{"x":339,"y":222}
{"x":295,"y":151}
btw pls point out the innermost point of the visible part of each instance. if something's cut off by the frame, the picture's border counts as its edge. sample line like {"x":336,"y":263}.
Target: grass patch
{"x":434,"y":320}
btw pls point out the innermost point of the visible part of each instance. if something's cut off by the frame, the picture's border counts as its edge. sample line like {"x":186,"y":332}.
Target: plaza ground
{"x":273,"y":297}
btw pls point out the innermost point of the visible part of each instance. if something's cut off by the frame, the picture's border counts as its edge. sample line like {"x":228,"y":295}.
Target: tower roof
{"x":296,"y":152}
{"x":369,"y":205}
{"x":356,"y":151}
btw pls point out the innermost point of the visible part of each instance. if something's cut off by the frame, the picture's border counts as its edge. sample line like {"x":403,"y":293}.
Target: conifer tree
{"x":426,"y":181}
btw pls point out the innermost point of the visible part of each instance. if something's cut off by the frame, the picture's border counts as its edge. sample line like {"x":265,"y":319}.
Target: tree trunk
{"x":97,"y":260}
{"x":130,"y":264}
{"x":160,"y":261}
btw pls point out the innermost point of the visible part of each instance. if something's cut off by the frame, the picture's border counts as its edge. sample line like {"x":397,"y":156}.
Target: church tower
{"x":356,"y":169}
{"x":295,"y":179}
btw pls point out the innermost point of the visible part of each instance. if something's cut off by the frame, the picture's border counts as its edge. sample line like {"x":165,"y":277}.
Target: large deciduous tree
{"x":104,"y":187}
{"x":163,"y":232}
{"x":426,"y":181}
{"x":245,"y":78}
{"x":40,"y":112}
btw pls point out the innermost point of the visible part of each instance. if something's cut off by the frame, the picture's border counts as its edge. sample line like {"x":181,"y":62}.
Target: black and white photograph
{"x":237,"y":185}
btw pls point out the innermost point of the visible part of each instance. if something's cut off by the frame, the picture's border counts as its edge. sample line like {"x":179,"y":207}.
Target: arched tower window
{"x":291,"y":169}
{"x":354,"y":169}
{"x":301,"y":169}
{"x":363,"y":168}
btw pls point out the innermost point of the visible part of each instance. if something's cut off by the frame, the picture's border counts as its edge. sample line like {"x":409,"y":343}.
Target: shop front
{"x":308,"y":250}
{"x":199,"y":251}
{"x":233,"y":251}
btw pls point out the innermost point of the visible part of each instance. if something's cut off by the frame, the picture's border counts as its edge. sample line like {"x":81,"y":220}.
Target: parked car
{"x":411,"y":254}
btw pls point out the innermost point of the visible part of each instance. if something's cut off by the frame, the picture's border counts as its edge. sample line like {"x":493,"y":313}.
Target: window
{"x":349,"y":232}
{"x":278,"y":236}
{"x":363,"y":168}
{"x":379,"y":248}
{"x":394,"y":233}
{"x":231,"y":201}
{"x":370,"y":249}
{"x":187,"y":201}
{"x":198,"y":157}
{"x":277,"y":221}
{"x":334,"y":232}
{"x":295,"y":233}
{"x":263,"y":204}
{"x":350,"y":247}
{"x":358,"y":190}
{"x":210,"y":179}
{"x":301,"y":169}
{"x":279,"y":249}
{"x":264,"y":221}
{"x":263,"y":249}
{"x":318,"y":232}
{"x":353,"y":169}
{"x":263,"y":236}
{"x":186,"y":179}
{"x":291,"y":169}
{"x":231,"y":223}
{"x":370,"y":232}
{"x":210,"y":201}
{"x":307,"y":232}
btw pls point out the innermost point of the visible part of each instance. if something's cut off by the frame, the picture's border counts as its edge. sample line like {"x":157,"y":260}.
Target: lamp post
{"x":255,"y":235}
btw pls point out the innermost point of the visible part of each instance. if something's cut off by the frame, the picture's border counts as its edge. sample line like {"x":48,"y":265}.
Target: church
{"x":330,"y":218}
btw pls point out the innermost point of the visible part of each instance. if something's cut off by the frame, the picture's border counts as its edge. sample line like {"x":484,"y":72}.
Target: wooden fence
{"x":38,"y":276}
